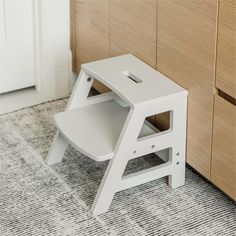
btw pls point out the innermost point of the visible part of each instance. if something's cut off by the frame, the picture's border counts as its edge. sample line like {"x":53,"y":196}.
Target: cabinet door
{"x":91,"y":33}
{"x":17,"y":45}
{"x":226,"y":48}
{"x":91,"y":30}
{"x":223,"y":170}
{"x":186,"y":34}
{"x":133,"y":29}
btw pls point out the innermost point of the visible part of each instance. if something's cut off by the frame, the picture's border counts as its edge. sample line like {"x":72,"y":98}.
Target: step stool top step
{"x":132,"y":79}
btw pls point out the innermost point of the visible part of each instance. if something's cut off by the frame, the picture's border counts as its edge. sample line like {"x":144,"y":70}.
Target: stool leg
{"x":177,"y":158}
{"x":108,"y":187}
{"x":177,"y":178}
{"x":113,"y":176}
{"x":57,"y":149}
{"x":79,"y":95}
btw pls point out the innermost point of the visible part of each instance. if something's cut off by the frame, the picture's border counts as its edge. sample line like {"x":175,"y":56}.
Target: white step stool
{"x":107,"y":126}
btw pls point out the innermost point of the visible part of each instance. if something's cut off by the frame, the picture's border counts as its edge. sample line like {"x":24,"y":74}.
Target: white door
{"x":17,"y":49}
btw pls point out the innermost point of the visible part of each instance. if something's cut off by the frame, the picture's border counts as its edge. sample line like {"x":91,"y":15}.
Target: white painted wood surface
{"x":54,"y":58}
{"x":35,"y":46}
{"x":117,"y":73}
{"x":104,"y":122}
{"x":17,"y":58}
{"x":2,"y":21}
{"x":102,"y":128}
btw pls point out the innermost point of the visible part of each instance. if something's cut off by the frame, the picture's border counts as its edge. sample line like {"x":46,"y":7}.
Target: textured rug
{"x":36,"y":199}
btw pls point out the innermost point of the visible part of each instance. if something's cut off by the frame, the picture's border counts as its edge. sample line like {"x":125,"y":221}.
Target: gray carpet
{"x":36,"y":199}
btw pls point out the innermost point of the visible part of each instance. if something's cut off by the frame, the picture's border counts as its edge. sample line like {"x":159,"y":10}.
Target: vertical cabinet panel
{"x":226,"y":48}
{"x":223,"y":170}
{"x":92,"y":30}
{"x":133,"y":29}
{"x":186,"y":52}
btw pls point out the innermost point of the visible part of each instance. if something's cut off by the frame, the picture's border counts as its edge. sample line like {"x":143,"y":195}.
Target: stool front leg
{"x":108,"y":187}
{"x":123,"y":152}
{"x":57,"y":149}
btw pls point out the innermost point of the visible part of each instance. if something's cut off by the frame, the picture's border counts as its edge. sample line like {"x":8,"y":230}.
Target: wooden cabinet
{"x":133,"y":29}
{"x":186,"y":37}
{"x":223,"y":170}
{"x":223,"y":166}
{"x":226,"y":48}
{"x":91,"y":30}
{"x":91,"y":33}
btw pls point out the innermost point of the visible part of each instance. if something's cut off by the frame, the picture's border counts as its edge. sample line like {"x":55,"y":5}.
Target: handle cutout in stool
{"x":132,"y":77}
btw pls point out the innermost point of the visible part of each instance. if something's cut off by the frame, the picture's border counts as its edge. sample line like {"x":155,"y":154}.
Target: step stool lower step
{"x":95,"y":129}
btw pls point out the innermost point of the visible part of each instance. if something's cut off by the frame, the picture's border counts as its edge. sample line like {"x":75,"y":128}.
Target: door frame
{"x":53,"y":57}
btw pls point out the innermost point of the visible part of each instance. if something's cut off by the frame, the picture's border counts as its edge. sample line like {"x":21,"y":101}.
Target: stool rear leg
{"x":177,"y":178}
{"x":178,"y":151}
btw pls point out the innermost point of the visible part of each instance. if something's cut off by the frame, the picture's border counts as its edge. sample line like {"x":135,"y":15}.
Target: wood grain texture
{"x":226,"y":48}
{"x":133,"y":29}
{"x":92,"y":33}
{"x":223,"y":170}
{"x":186,"y":54}
{"x":92,"y":30}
